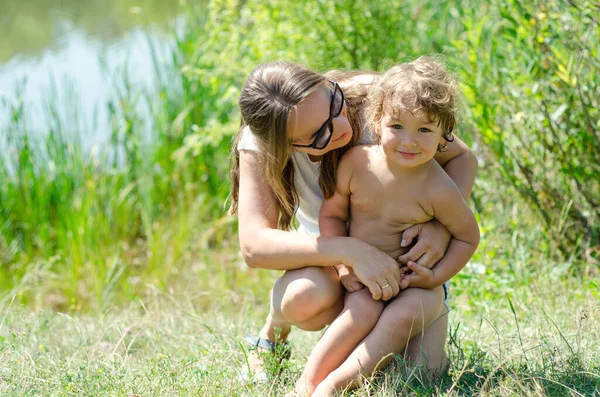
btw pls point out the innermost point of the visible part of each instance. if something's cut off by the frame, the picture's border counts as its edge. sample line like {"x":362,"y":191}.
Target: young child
{"x":382,"y":190}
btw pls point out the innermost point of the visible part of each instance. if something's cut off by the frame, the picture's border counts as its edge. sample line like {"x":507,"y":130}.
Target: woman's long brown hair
{"x":355,"y":85}
{"x":271,"y":91}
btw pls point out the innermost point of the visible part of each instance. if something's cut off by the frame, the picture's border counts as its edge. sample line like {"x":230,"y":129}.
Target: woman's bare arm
{"x":460,"y":164}
{"x":265,"y":246}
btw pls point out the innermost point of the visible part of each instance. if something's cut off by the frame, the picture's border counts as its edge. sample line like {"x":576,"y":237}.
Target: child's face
{"x":410,"y":139}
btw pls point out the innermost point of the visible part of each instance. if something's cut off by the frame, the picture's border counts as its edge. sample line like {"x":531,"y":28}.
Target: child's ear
{"x":442,"y":145}
{"x":445,"y":138}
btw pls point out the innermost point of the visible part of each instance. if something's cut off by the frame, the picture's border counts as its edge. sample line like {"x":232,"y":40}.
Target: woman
{"x":284,"y":157}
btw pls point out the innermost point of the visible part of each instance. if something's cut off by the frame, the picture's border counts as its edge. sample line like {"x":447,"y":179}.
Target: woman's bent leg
{"x":408,"y":314}
{"x":357,"y":319}
{"x":309,"y":298}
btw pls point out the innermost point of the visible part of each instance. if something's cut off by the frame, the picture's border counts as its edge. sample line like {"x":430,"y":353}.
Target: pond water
{"x":64,"y":53}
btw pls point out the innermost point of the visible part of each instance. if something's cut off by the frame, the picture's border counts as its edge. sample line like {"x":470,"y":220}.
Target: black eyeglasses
{"x":324,"y":134}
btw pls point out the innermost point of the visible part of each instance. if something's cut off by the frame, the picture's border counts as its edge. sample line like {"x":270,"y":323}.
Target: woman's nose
{"x":340,"y":124}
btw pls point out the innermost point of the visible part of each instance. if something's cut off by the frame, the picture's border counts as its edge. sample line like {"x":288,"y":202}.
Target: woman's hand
{"x":349,"y":279}
{"x":378,"y":271}
{"x":432,"y":241}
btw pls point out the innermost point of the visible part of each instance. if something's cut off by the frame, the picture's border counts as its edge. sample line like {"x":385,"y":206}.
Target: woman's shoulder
{"x":248,"y":140}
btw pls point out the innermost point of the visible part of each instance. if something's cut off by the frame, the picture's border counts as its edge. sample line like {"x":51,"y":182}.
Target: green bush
{"x":90,"y":223}
{"x":530,"y":71}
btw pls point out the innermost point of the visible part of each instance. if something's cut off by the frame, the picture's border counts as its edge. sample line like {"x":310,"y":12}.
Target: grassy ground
{"x":521,"y":325}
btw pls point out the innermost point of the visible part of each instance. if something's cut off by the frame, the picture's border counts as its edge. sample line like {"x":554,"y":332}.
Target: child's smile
{"x":407,"y":155}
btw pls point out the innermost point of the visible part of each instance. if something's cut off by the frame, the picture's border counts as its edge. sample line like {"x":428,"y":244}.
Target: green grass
{"x":521,"y":332}
{"x":521,"y":324}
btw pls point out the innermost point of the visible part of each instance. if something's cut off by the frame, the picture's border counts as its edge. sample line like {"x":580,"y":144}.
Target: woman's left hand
{"x":432,"y":241}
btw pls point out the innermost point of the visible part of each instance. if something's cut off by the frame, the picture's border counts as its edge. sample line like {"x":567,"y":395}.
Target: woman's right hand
{"x":378,"y":271}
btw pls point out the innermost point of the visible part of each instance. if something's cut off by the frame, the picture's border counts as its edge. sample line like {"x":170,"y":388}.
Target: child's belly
{"x":384,"y":236}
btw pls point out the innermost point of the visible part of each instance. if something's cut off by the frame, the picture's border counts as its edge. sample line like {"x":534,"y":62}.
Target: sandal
{"x":282,"y":349}
{"x":254,"y":368}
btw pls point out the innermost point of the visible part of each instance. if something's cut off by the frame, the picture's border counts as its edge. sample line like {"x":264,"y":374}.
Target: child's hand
{"x":414,"y":275}
{"x":432,"y":240}
{"x":349,"y":279}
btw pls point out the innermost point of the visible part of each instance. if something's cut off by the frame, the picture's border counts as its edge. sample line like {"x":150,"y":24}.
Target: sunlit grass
{"x":538,"y":338}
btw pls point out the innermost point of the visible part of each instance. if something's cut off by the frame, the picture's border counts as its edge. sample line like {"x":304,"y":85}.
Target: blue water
{"x":74,"y":64}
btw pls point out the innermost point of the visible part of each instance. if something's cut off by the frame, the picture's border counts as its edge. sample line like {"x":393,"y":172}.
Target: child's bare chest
{"x":389,"y":200}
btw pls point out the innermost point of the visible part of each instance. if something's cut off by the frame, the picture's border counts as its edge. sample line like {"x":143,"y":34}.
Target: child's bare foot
{"x":336,"y":382}
{"x":304,"y":387}
{"x":324,"y":391}
{"x":437,"y":373}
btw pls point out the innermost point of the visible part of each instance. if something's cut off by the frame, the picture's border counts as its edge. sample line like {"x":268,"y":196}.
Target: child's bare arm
{"x":333,"y":218}
{"x":334,"y":212}
{"x":334,"y":215}
{"x":453,"y":212}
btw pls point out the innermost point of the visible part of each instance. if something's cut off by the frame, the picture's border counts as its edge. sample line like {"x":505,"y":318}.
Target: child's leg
{"x":357,"y":319}
{"x":413,"y":310}
{"x":428,"y":347}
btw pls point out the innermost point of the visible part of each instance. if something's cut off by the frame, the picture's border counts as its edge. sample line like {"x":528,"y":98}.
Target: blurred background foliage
{"x":140,"y":212}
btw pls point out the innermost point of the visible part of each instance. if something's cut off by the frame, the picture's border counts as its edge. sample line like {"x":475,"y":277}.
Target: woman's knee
{"x":307,"y":292}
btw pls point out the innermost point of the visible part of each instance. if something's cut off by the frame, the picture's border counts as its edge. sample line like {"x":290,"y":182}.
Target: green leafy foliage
{"x":532,"y":97}
{"x":111,"y":221}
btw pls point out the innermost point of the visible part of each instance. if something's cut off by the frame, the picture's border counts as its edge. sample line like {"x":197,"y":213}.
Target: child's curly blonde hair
{"x":423,"y":85}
